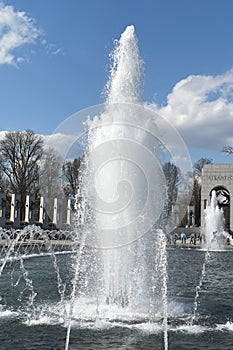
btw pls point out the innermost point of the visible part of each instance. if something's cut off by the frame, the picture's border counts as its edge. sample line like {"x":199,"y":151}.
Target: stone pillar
{"x":188,"y":216}
{"x":46,"y":216}
{"x":68,"y":217}
{"x":27,"y":204}
{"x":12,"y":210}
{"x":41,"y":211}
{"x":55,"y":216}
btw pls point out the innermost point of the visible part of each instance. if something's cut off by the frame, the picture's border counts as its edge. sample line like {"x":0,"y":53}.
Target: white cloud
{"x":2,"y":134}
{"x":16,"y":30}
{"x":201,"y":108}
{"x":62,"y":143}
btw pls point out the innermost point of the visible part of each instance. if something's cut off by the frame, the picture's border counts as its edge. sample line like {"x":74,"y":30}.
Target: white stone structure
{"x":27,"y":203}
{"x":15,"y":214}
{"x":68,"y":214}
{"x":55,"y":211}
{"x":218,"y":177}
{"x":12,"y":210}
{"x":41,"y":210}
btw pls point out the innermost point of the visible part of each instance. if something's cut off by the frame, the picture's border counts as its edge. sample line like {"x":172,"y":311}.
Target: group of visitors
{"x":183,"y":237}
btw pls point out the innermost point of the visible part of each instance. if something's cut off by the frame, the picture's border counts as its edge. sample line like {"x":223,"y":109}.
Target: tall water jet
{"x":121,"y":267}
{"x":124,"y":190}
{"x":122,"y":181}
{"x":126,"y":71}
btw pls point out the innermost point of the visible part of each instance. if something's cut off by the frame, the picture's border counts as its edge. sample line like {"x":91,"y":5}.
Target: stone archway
{"x":223,"y":199}
{"x":220,"y":177}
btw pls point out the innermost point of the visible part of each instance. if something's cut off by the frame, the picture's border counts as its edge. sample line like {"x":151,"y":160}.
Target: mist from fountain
{"x":116,"y":186}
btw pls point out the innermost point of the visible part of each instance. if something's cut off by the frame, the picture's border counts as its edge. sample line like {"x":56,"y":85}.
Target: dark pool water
{"x":212,"y":329}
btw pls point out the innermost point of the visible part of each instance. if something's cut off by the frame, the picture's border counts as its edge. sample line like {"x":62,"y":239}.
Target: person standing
{"x":192,"y":239}
{"x":183,"y":238}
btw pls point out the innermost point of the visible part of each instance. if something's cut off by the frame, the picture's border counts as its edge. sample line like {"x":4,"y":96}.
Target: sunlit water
{"x":43,"y":325}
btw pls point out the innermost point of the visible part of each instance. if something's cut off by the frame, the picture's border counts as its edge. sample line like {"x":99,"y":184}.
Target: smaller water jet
{"x":214,"y":233}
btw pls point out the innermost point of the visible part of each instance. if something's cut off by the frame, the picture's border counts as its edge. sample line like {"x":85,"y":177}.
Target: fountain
{"x":112,"y":282}
{"x":214,"y":233}
{"x":215,"y":239}
{"x":119,"y":183}
{"x":111,"y":269}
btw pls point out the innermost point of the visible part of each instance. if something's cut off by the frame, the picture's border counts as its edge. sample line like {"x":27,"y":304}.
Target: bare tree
{"x":198,"y":165}
{"x":50,"y":174}
{"x":20,"y":154}
{"x":4,"y":183}
{"x":50,"y":179}
{"x":70,"y":174}
{"x":173,"y":176}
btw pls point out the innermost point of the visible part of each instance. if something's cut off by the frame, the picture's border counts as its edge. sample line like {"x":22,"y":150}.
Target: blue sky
{"x":61,"y":66}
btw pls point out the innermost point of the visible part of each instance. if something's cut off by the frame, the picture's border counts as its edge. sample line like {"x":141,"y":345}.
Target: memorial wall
{"x":218,"y":177}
